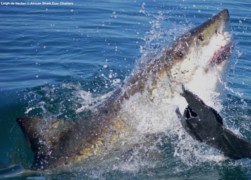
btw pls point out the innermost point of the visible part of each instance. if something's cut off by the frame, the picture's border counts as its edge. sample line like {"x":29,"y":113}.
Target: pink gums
{"x":220,"y":56}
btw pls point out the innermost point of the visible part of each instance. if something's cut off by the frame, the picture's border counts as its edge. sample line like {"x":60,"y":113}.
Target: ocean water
{"x":56,"y":59}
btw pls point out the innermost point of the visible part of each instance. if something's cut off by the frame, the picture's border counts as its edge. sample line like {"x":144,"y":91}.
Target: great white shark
{"x":196,"y":56}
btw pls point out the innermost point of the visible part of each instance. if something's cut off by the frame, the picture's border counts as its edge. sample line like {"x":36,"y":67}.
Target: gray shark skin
{"x":58,"y":143}
{"x":204,"y":124}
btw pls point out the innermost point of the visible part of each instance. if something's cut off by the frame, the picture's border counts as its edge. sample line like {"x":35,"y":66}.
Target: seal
{"x":205,"y":124}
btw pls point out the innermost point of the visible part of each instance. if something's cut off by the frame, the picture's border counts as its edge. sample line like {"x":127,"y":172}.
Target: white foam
{"x":87,"y":101}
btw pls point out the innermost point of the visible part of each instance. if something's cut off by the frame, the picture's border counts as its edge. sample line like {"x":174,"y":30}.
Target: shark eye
{"x":201,"y":37}
{"x":180,"y":54}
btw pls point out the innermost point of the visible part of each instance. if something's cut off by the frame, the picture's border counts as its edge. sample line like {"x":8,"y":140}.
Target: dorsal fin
{"x":43,"y":137}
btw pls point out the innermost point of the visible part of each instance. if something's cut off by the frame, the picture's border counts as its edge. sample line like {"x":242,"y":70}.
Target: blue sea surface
{"x":50,"y":52}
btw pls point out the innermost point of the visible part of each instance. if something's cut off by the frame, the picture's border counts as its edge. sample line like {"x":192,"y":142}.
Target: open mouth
{"x":220,"y":56}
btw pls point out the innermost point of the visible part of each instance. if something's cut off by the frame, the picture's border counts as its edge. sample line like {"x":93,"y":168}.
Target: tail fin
{"x":43,"y":137}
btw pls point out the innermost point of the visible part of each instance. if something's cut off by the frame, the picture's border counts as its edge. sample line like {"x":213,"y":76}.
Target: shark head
{"x":199,"y":56}
{"x":208,"y":44}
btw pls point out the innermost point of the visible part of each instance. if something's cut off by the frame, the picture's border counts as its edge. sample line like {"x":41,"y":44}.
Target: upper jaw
{"x":222,"y":53}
